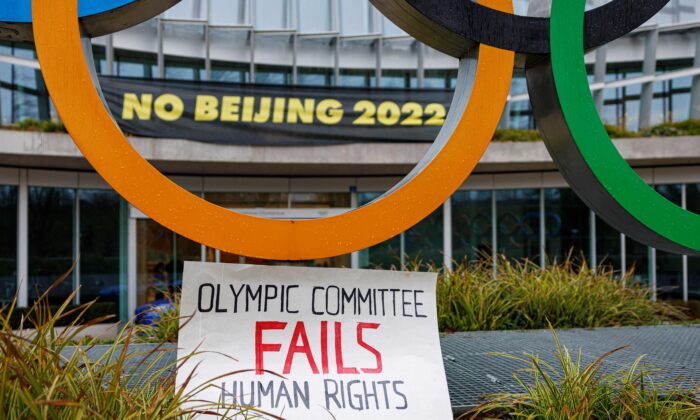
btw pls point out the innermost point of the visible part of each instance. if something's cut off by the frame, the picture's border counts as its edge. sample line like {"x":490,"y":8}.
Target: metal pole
{"x":649,"y":69}
{"x":447,"y":234}
{"x":23,"y":239}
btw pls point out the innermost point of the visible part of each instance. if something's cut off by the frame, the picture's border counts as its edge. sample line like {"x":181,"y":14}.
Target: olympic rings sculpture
{"x":486,"y":38}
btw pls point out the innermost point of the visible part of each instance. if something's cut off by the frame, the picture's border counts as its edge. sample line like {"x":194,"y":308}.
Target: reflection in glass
{"x":399,"y":79}
{"x":51,"y":252}
{"x":243,"y":200}
{"x":638,"y":261}
{"x":471,"y":225}
{"x":154,"y":265}
{"x":384,"y":255}
{"x":567,"y":225}
{"x":519,"y":223}
{"x":669,"y":267}
{"x":223,"y":72}
{"x":8,"y":243}
{"x":608,"y":245}
{"x":424,"y":241}
{"x":99,"y":246}
{"x":184,"y":70}
{"x":357,"y":78}
{"x":273,"y":75}
{"x":320,"y":200}
{"x":314,"y":77}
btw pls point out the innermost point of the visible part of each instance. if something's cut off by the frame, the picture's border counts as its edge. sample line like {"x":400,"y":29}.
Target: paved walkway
{"x":473,"y":371}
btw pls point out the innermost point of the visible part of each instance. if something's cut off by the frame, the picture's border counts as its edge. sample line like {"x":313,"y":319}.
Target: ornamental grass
{"x":522,"y":296}
{"x":568,"y":389}
{"x":44,"y":376}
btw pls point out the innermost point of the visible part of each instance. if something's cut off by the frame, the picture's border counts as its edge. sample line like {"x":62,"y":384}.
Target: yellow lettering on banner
{"x":142,"y":107}
{"x":248,"y":108}
{"x":298,"y":111}
{"x":207,"y":108}
{"x":230,"y":108}
{"x":415,"y":113}
{"x":329,"y":111}
{"x":280,"y":107}
{"x":263,"y":114}
{"x":388,"y":113}
{"x":169,"y":107}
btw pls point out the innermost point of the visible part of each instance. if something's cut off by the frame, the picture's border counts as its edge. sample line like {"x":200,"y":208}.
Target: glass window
{"x":51,"y":250}
{"x":320,"y":200}
{"x":519,"y":223}
{"x":424,"y":242}
{"x":669,"y":267}
{"x":184,"y":69}
{"x":99,"y":246}
{"x":272,"y":14}
{"x":314,"y":77}
{"x":315,"y":16}
{"x":185,"y":250}
{"x":354,"y":17}
{"x":567,"y":225}
{"x":399,"y":78}
{"x":638,"y":261}
{"x":223,"y":72}
{"x":437,"y":79}
{"x":240,"y":200}
{"x":154,"y":262}
{"x":608,"y":245}
{"x":8,"y":243}
{"x":141,"y":65}
{"x":471,"y":225}
{"x":273,"y":75}
{"x":384,"y":255}
{"x":357,"y":78}
{"x":228,"y":12}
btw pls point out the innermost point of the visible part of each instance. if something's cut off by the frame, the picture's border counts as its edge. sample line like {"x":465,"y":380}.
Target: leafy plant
{"x":515,"y":135}
{"x":521,"y":295}
{"x":616,"y":132}
{"x":42,"y":376}
{"x":682,"y":128}
{"x":570,"y":390}
{"x":46,"y":126}
{"x":166,"y":327}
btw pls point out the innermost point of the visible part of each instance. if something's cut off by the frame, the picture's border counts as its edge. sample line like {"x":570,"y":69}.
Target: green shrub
{"x":106,"y":311}
{"x":683,"y":128}
{"x":166,"y":329}
{"x":616,"y":132}
{"x":571,"y":390}
{"x":514,"y":135}
{"x":524,"y":296}
{"x":46,"y":126}
{"x":42,"y":377}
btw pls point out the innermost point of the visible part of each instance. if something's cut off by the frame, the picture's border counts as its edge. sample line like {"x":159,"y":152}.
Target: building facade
{"x":54,"y":208}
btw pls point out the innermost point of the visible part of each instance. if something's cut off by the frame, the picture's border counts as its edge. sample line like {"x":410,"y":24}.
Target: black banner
{"x":274,"y":115}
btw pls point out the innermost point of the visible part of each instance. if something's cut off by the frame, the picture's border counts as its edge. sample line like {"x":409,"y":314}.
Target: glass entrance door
{"x":161,"y":253}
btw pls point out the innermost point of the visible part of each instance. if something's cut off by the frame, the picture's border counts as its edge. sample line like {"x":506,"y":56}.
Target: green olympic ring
{"x":585,"y":153}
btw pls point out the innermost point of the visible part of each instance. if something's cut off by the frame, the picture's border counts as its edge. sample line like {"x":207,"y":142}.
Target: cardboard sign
{"x":310,"y":343}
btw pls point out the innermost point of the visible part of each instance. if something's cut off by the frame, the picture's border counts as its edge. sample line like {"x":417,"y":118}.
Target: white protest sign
{"x":314,"y":343}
